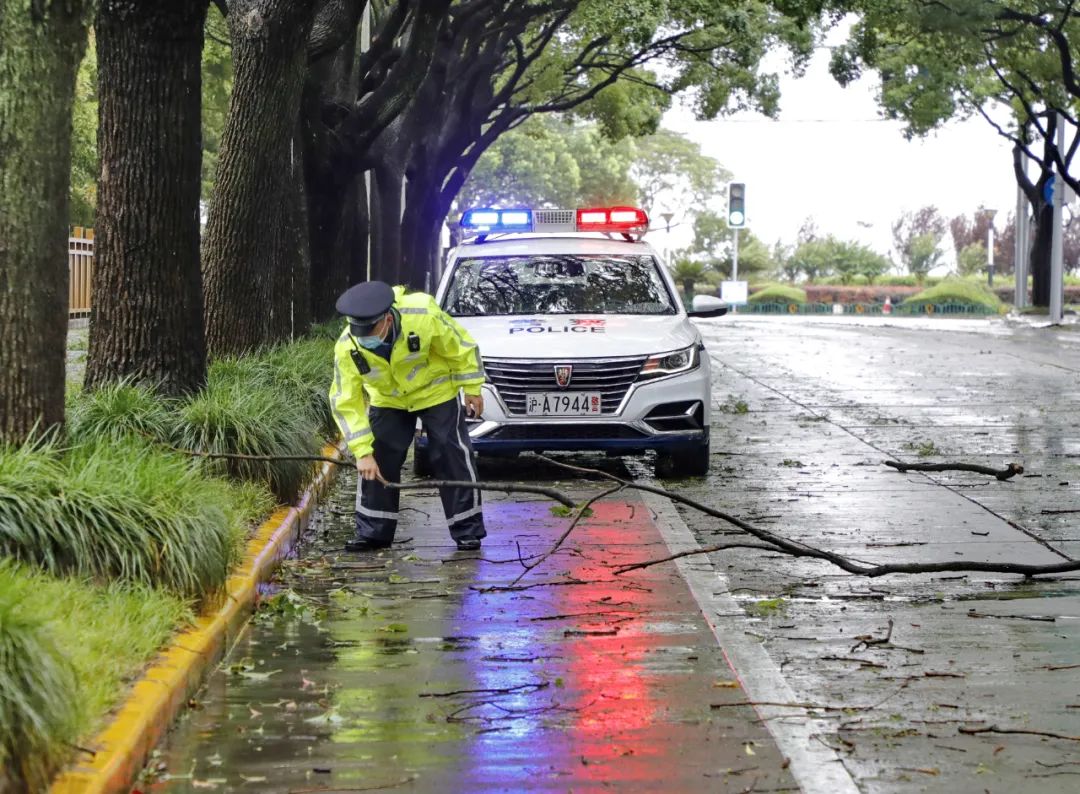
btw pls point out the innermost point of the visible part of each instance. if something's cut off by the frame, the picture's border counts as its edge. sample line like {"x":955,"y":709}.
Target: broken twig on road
{"x":1002,"y":474}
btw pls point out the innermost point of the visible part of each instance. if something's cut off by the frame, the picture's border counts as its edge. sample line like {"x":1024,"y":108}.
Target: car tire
{"x":421,"y":461}
{"x":689,"y":461}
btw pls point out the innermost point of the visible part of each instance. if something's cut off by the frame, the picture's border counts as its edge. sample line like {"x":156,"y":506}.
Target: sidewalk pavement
{"x":419,"y":677}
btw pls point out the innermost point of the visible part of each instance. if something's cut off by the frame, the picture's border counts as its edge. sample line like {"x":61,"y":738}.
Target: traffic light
{"x":736,"y":205}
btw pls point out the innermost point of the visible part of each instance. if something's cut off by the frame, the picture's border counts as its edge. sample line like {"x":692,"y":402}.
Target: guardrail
{"x":80,"y":271}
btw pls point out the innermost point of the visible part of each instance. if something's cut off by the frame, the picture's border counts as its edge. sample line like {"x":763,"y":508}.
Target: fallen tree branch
{"x":551,"y":493}
{"x":1025,"y":731}
{"x":797,"y":549}
{"x":1002,"y":474}
{"x":577,"y":519}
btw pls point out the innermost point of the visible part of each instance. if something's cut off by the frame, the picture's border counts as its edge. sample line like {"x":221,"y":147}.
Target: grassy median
{"x":111,"y":536}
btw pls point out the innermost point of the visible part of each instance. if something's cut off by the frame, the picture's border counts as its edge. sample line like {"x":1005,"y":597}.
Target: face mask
{"x":369,"y":342}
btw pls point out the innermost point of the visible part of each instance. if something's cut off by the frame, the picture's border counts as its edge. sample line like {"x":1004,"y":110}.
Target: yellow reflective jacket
{"x":447,"y":360}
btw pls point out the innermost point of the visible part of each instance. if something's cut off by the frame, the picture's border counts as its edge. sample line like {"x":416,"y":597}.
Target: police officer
{"x":399,"y":358}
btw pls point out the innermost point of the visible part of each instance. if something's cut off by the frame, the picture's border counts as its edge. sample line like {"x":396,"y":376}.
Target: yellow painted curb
{"x":122,"y":749}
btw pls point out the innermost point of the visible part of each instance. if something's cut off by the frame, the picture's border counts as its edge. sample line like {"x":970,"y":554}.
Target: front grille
{"x":587,"y":432}
{"x":514,"y":378}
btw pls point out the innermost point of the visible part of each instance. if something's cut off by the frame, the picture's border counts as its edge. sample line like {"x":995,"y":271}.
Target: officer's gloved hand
{"x":368,"y":468}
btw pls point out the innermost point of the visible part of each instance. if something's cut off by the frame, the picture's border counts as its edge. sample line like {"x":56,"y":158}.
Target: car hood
{"x":579,"y":336}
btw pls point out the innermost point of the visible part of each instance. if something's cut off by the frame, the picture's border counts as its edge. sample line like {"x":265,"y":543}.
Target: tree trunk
{"x":40,"y":49}
{"x":147,"y":317}
{"x":330,"y":186}
{"x":298,"y":242}
{"x":386,"y":231}
{"x":1042,"y":243}
{"x":420,"y":228}
{"x":245,"y":256}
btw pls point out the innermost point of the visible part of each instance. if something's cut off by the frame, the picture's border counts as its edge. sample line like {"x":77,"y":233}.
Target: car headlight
{"x":670,"y":363}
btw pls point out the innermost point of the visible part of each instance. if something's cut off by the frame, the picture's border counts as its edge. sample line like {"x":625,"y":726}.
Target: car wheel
{"x":688,"y":461}
{"x":421,"y":461}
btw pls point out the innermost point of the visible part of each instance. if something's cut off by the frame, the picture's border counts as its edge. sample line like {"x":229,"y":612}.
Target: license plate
{"x":563,"y":403}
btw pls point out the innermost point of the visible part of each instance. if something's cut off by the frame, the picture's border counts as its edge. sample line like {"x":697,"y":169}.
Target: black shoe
{"x":468,"y":544}
{"x":364,"y":544}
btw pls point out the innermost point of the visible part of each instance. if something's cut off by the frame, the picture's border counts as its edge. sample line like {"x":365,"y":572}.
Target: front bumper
{"x":662,"y":414}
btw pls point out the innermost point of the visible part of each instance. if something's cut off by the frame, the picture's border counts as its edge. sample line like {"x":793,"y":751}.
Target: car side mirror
{"x":708,"y":306}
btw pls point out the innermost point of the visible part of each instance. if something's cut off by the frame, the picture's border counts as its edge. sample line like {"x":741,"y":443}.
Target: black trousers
{"x":451,"y":456}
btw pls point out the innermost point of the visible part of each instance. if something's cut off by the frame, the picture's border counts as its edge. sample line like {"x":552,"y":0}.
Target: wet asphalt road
{"x":825,"y":403}
{"x":619,"y":684}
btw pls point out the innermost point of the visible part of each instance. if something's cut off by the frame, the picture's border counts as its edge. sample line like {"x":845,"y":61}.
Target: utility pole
{"x":1057,"y":276}
{"x":1021,"y":250}
{"x":990,"y":248}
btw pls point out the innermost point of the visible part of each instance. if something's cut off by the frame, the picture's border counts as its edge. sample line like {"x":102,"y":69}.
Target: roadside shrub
{"x":38,"y":697}
{"x":79,"y":645}
{"x":304,"y":370}
{"x":956,"y":291}
{"x":330,"y":330}
{"x":897,"y":281}
{"x":778,"y":293}
{"x":816,"y":293}
{"x":119,"y":510}
{"x":118,"y":410}
{"x":237,"y":414}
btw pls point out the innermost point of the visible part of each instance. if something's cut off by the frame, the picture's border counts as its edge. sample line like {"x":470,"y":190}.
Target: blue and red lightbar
{"x":594,"y":219}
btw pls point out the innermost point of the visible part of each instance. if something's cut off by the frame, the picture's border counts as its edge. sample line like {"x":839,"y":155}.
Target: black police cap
{"x":365,"y":303}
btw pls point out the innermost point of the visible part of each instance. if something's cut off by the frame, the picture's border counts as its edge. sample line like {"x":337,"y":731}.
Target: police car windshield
{"x":558,"y":284}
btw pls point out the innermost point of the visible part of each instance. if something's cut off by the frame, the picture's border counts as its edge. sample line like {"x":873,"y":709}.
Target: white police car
{"x":585,"y":341}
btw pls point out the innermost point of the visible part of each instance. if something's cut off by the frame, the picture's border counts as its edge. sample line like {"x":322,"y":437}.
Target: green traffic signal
{"x":736,"y":215}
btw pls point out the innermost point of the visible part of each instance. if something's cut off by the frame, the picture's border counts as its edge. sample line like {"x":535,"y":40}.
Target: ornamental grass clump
{"x":118,"y":410}
{"x":239,"y":414}
{"x":68,"y":650}
{"x":303,"y":370}
{"x":119,"y":510}
{"x":38,"y":697}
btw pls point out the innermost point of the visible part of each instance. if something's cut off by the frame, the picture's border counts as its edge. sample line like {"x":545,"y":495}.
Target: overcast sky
{"x":830,"y":156}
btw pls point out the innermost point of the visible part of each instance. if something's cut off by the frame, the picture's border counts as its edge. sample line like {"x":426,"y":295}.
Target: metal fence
{"x":916,"y":309}
{"x":80,"y":271}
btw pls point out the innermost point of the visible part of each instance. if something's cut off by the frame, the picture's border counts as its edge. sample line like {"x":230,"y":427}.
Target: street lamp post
{"x":667,"y":216}
{"x":990,"y":248}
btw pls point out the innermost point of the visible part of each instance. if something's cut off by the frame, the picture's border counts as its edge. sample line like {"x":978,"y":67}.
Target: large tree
{"x":41,"y":44}
{"x":942,"y":60}
{"x":247,"y":260}
{"x":146,"y":319}
{"x":520,"y":59}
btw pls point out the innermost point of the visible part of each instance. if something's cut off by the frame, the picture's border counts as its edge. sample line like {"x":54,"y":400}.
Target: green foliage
{"x":954,"y":290}
{"x":38,"y":698}
{"x":84,"y":123}
{"x":217,"y":82}
{"x":119,"y":510}
{"x":821,"y":257}
{"x":119,"y":410}
{"x":67,"y":651}
{"x":667,"y":167}
{"x":779,"y":293}
{"x":238,"y":414}
{"x":547,"y":162}
{"x":553,"y":162}
{"x":302,"y":371}
{"x":972,"y":259}
{"x":923,"y":255}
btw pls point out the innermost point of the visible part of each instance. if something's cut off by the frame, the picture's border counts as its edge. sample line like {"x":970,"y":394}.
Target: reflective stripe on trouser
{"x":450,"y":453}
